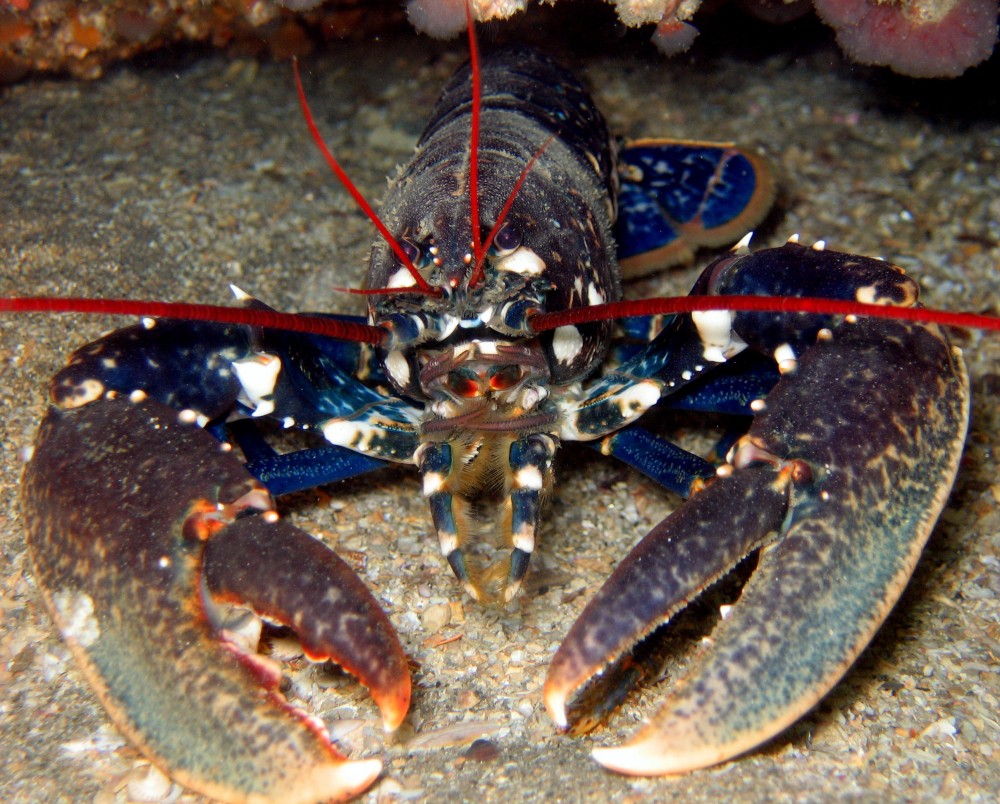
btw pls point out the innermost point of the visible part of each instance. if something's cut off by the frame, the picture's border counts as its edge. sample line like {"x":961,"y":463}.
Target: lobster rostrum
{"x":491,"y":311}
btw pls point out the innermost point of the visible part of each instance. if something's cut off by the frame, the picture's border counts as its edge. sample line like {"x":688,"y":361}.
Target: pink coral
{"x":439,"y":18}
{"x":672,"y":36}
{"x":920,"y":38}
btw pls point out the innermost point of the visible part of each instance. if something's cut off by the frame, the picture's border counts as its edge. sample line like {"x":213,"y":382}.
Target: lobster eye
{"x":508,"y":238}
{"x":462,"y":383}
{"x":505,"y":377}
{"x":411,"y":250}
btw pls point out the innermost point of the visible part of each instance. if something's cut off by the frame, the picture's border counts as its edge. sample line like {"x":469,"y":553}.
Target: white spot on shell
{"x":433,"y":483}
{"x":77,"y":622}
{"x":398,"y":367}
{"x":258,"y":374}
{"x":784,"y":356}
{"x":187,"y":416}
{"x":354,"y":435}
{"x":84,"y":393}
{"x":137,"y":396}
{"x":715,"y":329}
{"x":528,"y":478}
{"x":867,"y":294}
{"x":525,"y":540}
{"x":639,"y":398}
{"x":566,"y":343}
{"x":448,"y":541}
{"x":401,"y":279}
{"x":523,"y":261}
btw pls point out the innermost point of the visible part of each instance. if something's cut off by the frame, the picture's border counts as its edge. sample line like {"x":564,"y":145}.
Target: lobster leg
{"x":298,"y":470}
{"x":120,"y":500}
{"x":671,"y":466}
{"x":840,"y":482}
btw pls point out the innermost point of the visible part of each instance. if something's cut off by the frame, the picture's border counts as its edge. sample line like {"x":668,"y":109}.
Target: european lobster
{"x":42,"y":480}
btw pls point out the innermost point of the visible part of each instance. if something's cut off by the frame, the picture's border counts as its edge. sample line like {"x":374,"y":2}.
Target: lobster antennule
{"x":351,"y":188}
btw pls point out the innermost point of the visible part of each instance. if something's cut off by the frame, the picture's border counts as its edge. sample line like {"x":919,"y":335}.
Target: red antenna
{"x":542,"y":322}
{"x":480,"y":249}
{"x":270,"y":319}
{"x":353,"y":190}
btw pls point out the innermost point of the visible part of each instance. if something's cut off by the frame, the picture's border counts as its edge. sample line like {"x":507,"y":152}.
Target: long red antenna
{"x":541,"y":322}
{"x":271,"y":319}
{"x":353,"y":190}
{"x":477,"y":100}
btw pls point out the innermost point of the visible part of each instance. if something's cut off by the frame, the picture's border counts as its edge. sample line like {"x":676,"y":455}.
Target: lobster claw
{"x":135,"y":520}
{"x":838,"y":483}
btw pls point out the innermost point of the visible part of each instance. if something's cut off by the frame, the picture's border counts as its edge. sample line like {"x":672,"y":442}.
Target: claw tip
{"x":656,"y":752}
{"x":356,"y":775}
{"x":555,"y":705}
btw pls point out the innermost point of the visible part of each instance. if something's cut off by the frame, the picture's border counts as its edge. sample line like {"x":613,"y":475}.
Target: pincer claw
{"x":136,"y":521}
{"x":864,"y":441}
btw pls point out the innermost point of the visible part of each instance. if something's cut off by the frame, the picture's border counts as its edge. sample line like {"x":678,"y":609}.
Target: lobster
{"x":152,"y":588}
